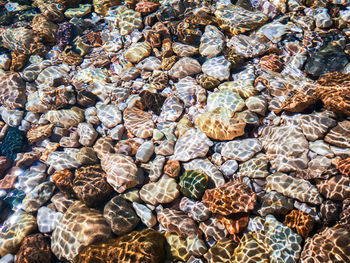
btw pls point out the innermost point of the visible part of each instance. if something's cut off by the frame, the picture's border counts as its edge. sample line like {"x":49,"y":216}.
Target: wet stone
{"x":47,"y":219}
{"x":217,"y":67}
{"x":121,"y":216}
{"x":38,"y":196}
{"x":241,"y":150}
{"x":193,"y":184}
{"x":35,"y":248}
{"x":275,"y":203}
{"x":146,"y":246}
{"x":185,"y":67}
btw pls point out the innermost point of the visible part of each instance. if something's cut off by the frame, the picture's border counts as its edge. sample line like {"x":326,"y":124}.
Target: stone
{"x":34,"y":248}
{"x":248,"y":46}
{"x":171,"y":110}
{"x":220,"y":127}
{"x":101,"y":6}
{"x":128,"y":20}
{"x":121,"y":171}
{"x":155,"y":168}
{"x":188,"y":90}
{"x":14,"y":230}
{"x":326,"y":246}
{"x":18,"y":39}
{"x":12,"y":91}
{"x":234,"y":196}
{"x":315,"y":126}
{"x":241,"y":150}
{"x":165,"y":148}
{"x":336,"y":188}
{"x":47,"y":219}
{"x":145,"y":214}
{"x":229,"y":167}
{"x":327,"y":59}
{"x":138,"y":122}
{"x":212,"y":42}
{"x":90,"y":186}
{"x":256,"y":104}
{"x":237,"y":20}
{"x":66,"y":118}
{"x":275,"y":203}
{"x":177,"y":222}
{"x":264,"y":236}
{"x":322,"y":18}
{"x":339,"y":135}
{"x":64,"y":181}
{"x":194,"y":209}
{"x":12,"y":117}
{"x":61,"y":202}
{"x":44,"y":29}
{"x":207,"y":167}
{"x":190,"y":147}
{"x":255,"y":167}
{"x":138,"y":52}
{"x":109,"y":115}
{"x":193,"y":184}
{"x":61,"y":160}
{"x":146,"y":7}
{"x":225,"y":98}
{"x":87,"y":134}
{"x":300,"y":222}
{"x":183,"y":50}
{"x":217,"y":67}
{"x":103,"y":146}
{"x":120,"y":215}
{"x":172,"y":168}
{"x":39,"y":133}
{"x":31,"y":177}
{"x":152,"y":101}
{"x":164,"y":191}
{"x":149,"y":64}
{"x":185,"y":67}
{"x":213,"y":229}
{"x":80,"y":226}
{"x":296,"y":188}
{"x":5,"y":163}
{"x":271,"y":62}
{"x":80,"y":11}
{"x":146,"y":246}
{"x":343,"y":166}
{"x":38,"y":196}
{"x":286,"y":147}
{"x":221,"y":251}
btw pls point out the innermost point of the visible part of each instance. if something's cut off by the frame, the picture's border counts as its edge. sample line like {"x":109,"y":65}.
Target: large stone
{"x":146,"y":246}
{"x":121,"y":216}
{"x":292,"y":187}
{"x":121,"y":171}
{"x":12,"y":91}
{"x":161,"y":192}
{"x":212,"y":42}
{"x":241,"y":150}
{"x":38,"y":196}
{"x":190,"y":147}
{"x":217,"y":67}
{"x":185,"y":67}
{"x":80,"y":226}
{"x":14,"y":230}
{"x":34,"y":248}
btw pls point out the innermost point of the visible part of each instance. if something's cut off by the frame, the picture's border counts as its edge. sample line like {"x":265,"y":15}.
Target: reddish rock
{"x":5,"y":163}
{"x":34,"y":248}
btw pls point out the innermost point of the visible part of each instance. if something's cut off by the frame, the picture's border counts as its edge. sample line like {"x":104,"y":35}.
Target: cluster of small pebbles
{"x":191,"y":131}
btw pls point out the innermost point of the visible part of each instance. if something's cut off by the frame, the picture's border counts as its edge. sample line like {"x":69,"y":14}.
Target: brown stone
{"x":64,"y":181}
{"x":300,"y":222}
{"x":172,"y":168}
{"x":34,"y":248}
{"x":5,"y":163}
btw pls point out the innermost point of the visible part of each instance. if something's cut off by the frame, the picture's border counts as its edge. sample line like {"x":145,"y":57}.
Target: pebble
{"x":217,"y":67}
{"x":47,"y":219}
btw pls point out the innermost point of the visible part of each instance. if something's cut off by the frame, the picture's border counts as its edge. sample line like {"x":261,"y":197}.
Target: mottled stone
{"x":146,"y":246}
{"x":286,"y":147}
{"x":40,"y":132}
{"x":145,"y":214}
{"x":163,"y":191}
{"x":292,"y":187}
{"x":236,"y":20}
{"x":241,"y":150}
{"x":119,"y":213}
{"x":300,"y":222}
{"x":90,"y":185}
{"x":194,"y":209}
{"x":137,"y":52}
{"x":207,"y":167}
{"x":343,"y":166}
{"x":177,"y":222}
{"x":66,"y":118}
{"x":335,"y":188}
{"x":103,"y":145}
{"x":275,"y":203}
{"x":330,"y":244}
{"x":128,"y":20}
{"x":14,"y":230}
{"x":38,"y":196}
{"x":172,"y":168}
{"x":212,"y":42}
{"x":255,"y":167}
{"x":80,"y":226}
{"x":339,"y":135}
{"x":183,"y":50}
{"x":261,"y":243}
{"x":101,"y":6}
{"x":190,"y":147}
{"x":185,"y":67}
{"x":34,"y":248}
{"x":248,"y":46}
{"x":193,"y":184}
{"x":61,"y":160}
{"x":138,"y":122}
{"x":12,"y":91}
{"x":217,"y":67}
{"x":121,"y":171}
{"x":221,"y":251}
{"x":232,"y":197}
{"x":271,"y":62}
{"x":109,"y":115}
{"x":47,"y":219}
{"x":64,"y":181}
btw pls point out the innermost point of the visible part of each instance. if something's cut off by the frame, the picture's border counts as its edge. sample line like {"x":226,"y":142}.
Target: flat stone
{"x":185,"y":67}
{"x":47,"y":219}
{"x":190,"y":147}
{"x":217,"y":67}
{"x":241,"y":150}
{"x":292,"y":187}
{"x":38,"y":196}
